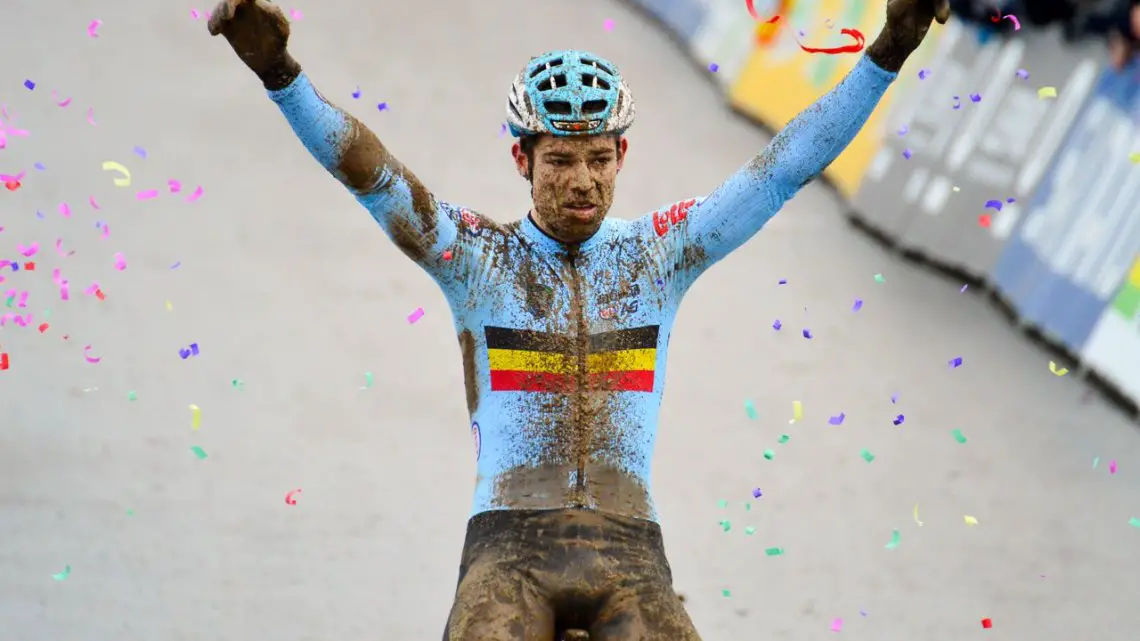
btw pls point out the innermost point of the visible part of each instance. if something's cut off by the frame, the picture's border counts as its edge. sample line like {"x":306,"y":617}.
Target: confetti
{"x":1047,"y":92}
{"x":837,"y":420}
{"x":751,"y":6}
{"x":756,"y":493}
{"x":960,"y":291}
{"x":1096,"y":462}
{"x":91,"y":116}
{"x":195,"y":417}
{"x":958,"y":436}
{"x":713,"y":67}
{"x":147,"y":195}
{"x":3,"y":361}
{"x":858,"y":305}
{"x":295,"y":14}
{"x":769,"y":454}
{"x":87,"y":355}
{"x":1059,"y":371}
{"x":904,"y":130}
{"x":30,"y":85}
{"x":367,"y":380}
{"x":899,"y":420}
{"x":867,"y":455}
{"x":975,"y":97}
{"x":955,"y":362}
{"x":65,"y":102}
{"x":908,"y":154}
{"x":1023,"y":74}
{"x":608,"y":25}
{"x":132,"y":396}
{"x":782,"y":281}
{"x":1134,"y":522}
{"x":774,"y":552}
{"x":797,"y":410}
{"x":784,"y":438}
{"x":837,"y":625}
{"x":879,"y":278}
{"x":195,"y":195}
{"x":416,"y":315}
{"x":447,"y":255}
{"x":726,"y":592}
{"x":1016,"y":23}
{"x":174,"y":186}
{"x":895,"y":540}
{"x":750,"y":409}
{"x":970,"y":520}
{"x":289,"y":500}
{"x":725,"y":525}
{"x":120,"y":262}
{"x":1134,"y":158}
{"x":923,"y":73}
{"x":356,"y":94}
{"x":860,"y":40}
{"x":382,"y":106}
{"x":65,"y":210}
{"x":916,"y":515}
{"x":993,"y":204}
{"x":985,"y":220}
{"x":140,"y":152}
{"x":807,"y":333}
{"x":987,"y":623}
{"x":62,"y":575}
{"x":1112,"y":467}
{"x":957,"y":102}
{"x":238,"y":384}
{"x":777,"y":325}
{"x":750,"y":530}
{"x":199,"y":452}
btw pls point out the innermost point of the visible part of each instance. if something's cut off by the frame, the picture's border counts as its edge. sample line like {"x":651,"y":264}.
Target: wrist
{"x":888,"y":51}
{"x":281,"y":74}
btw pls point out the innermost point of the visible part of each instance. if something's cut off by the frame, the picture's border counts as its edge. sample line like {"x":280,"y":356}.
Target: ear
{"x":522,"y":165}
{"x":623,"y":147}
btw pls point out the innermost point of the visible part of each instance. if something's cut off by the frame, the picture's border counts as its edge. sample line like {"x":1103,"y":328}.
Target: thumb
{"x":941,"y":11}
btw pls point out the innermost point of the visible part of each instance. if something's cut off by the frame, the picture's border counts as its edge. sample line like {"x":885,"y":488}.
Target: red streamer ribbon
{"x":860,"y":41}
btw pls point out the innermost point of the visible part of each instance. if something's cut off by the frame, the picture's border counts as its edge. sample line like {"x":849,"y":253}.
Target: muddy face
{"x":572,"y":182}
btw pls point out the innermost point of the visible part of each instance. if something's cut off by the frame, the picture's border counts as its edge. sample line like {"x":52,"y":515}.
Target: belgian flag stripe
{"x":515,"y":381}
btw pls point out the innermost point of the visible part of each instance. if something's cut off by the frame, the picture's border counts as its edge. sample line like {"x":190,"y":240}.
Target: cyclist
{"x":564,"y":317}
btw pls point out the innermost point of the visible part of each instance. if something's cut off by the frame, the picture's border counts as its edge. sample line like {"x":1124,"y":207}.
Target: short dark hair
{"x":529,"y":142}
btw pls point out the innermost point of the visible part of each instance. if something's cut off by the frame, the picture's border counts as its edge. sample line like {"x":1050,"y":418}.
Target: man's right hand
{"x":258,"y":32}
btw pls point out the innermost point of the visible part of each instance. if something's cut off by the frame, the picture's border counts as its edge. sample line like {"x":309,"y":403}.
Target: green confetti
{"x":879,"y":278}
{"x":130,"y":512}
{"x":62,"y":575}
{"x":750,"y":410}
{"x":895,"y":538}
{"x":747,"y":507}
{"x":958,"y":436}
{"x":750,"y":530}
{"x":726,"y":593}
{"x":1096,"y":462}
{"x":784,"y":438}
{"x":724,"y":524}
{"x":238,"y":384}
{"x":769,"y":454}
{"x":367,"y":380}
{"x":774,"y":551}
{"x":132,"y":396}
{"x":722,"y":503}
{"x":199,"y":452}
{"x":47,"y":314}
{"x":867,"y":455}
{"x":10,"y":299}
{"x":1134,"y":522}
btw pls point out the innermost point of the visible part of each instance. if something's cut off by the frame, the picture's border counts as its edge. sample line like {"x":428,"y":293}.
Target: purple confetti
{"x":993,"y":204}
{"x":40,"y":166}
{"x":904,"y":130}
{"x":837,"y":420}
{"x":29,"y":84}
{"x":382,"y":106}
{"x":858,"y":305}
{"x":807,"y":333}
{"x":713,"y":67}
{"x":894,"y":398}
{"x":907,"y":154}
{"x":184,"y":353}
{"x":194,"y":348}
{"x":783,"y":281}
{"x":923,"y":73}
{"x":1010,"y":200}
{"x":756,"y":493}
{"x":39,"y":214}
{"x":1023,"y":74}
{"x":963,"y":289}
{"x":660,"y":283}
{"x":175,"y":265}
{"x":863,"y":612}
{"x":777,"y":325}
{"x":356,"y":94}
{"x":957,"y":362}
{"x":140,"y":152}
{"x":957,"y":102}
{"x":976,"y":97}
{"x":900,"y":419}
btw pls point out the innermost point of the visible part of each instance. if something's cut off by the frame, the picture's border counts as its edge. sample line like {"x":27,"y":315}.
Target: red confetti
{"x":987,"y":623}
{"x":447,"y":255}
{"x":985,"y":220}
{"x":751,"y":6}
{"x":860,"y":41}
{"x":30,"y":266}
{"x":12,"y":185}
{"x":44,"y":327}
{"x":289,"y":500}
{"x":3,"y":361}
{"x":99,"y":294}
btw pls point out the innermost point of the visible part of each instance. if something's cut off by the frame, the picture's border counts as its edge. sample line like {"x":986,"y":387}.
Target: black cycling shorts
{"x":526,"y":574}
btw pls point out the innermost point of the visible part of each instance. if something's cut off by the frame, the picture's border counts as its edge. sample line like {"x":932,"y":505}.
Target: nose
{"x":580,"y":178}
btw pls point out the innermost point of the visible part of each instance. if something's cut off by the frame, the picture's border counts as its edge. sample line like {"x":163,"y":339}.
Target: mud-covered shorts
{"x":527,"y":573}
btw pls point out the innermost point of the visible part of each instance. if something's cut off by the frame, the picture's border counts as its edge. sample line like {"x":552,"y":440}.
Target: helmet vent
{"x":593,"y":106}
{"x":591,"y":80}
{"x":598,"y":65}
{"x":558,"y":107}
{"x":552,"y":82}
{"x":557,"y":62}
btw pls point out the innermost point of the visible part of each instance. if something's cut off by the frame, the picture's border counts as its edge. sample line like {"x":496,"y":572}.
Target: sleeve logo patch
{"x":666,"y":219}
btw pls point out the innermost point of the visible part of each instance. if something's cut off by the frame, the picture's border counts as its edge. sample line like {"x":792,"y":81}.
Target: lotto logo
{"x":665,"y":219}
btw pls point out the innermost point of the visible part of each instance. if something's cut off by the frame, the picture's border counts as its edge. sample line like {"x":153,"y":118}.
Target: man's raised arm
{"x":259,"y":33}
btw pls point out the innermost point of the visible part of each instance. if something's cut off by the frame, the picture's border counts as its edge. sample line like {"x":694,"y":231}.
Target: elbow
{"x":360,"y":165}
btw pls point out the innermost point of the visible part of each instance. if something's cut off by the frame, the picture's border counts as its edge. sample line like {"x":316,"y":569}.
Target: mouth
{"x":581,"y":210}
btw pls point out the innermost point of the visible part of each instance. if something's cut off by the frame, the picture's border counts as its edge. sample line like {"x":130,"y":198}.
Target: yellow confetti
{"x":1058,"y":371}
{"x":970,"y":520}
{"x":195,"y":417}
{"x":169,"y":307}
{"x":1047,"y":92}
{"x":916,"y":515}
{"x":1134,"y":157}
{"x":111,"y":165}
{"x":797,"y":411}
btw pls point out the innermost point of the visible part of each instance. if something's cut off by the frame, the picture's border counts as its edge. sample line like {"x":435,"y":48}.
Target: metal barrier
{"x":1113,"y":349}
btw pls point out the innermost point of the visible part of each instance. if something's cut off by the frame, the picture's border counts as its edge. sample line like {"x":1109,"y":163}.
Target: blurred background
{"x":183,"y":350}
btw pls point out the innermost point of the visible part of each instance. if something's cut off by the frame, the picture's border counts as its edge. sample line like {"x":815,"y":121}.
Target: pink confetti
{"x":55,"y":277}
{"x":174,"y":185}
{"x":65,"y":102}
{"x":608,"y":25}
{"x":1015,"y":21}
{"x":1111,"y":464}
{"x":24,"y":303}
{"x":194,"y":14}
{"x":65,"y":210}
{"x":106,"y":230}
{"x":8,"y":178}
{"x":195,"y":196}
{"x":87,"y":355}
{"x":59,"y":248}
{"x":90,"y":115}
{"x":147,"y":195}
{"x":416,"y":315}
{"x":837,"y":625}
{"x":92,"y":289}
{"x":295,"y":14}
{"x":29,"y":250}
{"x":93,"y":203}
{"x":120,"y":262}
{"x":64,"y":290}
{"x":93,"y":27}
{"x":208,"y":15}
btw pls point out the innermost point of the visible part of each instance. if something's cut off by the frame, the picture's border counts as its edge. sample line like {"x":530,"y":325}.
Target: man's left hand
{"x":907,"y":24}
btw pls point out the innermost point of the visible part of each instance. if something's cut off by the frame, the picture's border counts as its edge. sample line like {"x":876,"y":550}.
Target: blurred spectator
{"x":1118,"y":20}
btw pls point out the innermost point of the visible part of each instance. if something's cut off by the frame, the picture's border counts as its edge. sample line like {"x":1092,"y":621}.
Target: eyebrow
{"x":567,"y":154}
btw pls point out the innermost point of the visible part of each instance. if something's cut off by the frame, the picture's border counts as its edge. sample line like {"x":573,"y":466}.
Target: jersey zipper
{"x":578,"y":401}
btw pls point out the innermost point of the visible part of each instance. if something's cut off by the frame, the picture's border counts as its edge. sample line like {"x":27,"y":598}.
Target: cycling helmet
{"x":569,"y":93}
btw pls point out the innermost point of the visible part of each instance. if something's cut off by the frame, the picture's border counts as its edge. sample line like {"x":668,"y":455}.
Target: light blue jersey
{"x":564,"y":347}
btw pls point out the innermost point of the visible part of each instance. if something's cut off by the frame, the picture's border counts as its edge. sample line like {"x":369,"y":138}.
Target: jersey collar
{"x":535,"y":235}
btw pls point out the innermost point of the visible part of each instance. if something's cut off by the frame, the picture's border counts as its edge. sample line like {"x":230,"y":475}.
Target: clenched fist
{"x":907,"y":24}
{"x":258,"y":32}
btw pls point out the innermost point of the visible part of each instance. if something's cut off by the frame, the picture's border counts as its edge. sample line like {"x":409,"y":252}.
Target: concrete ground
{"x":284,"y":283}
